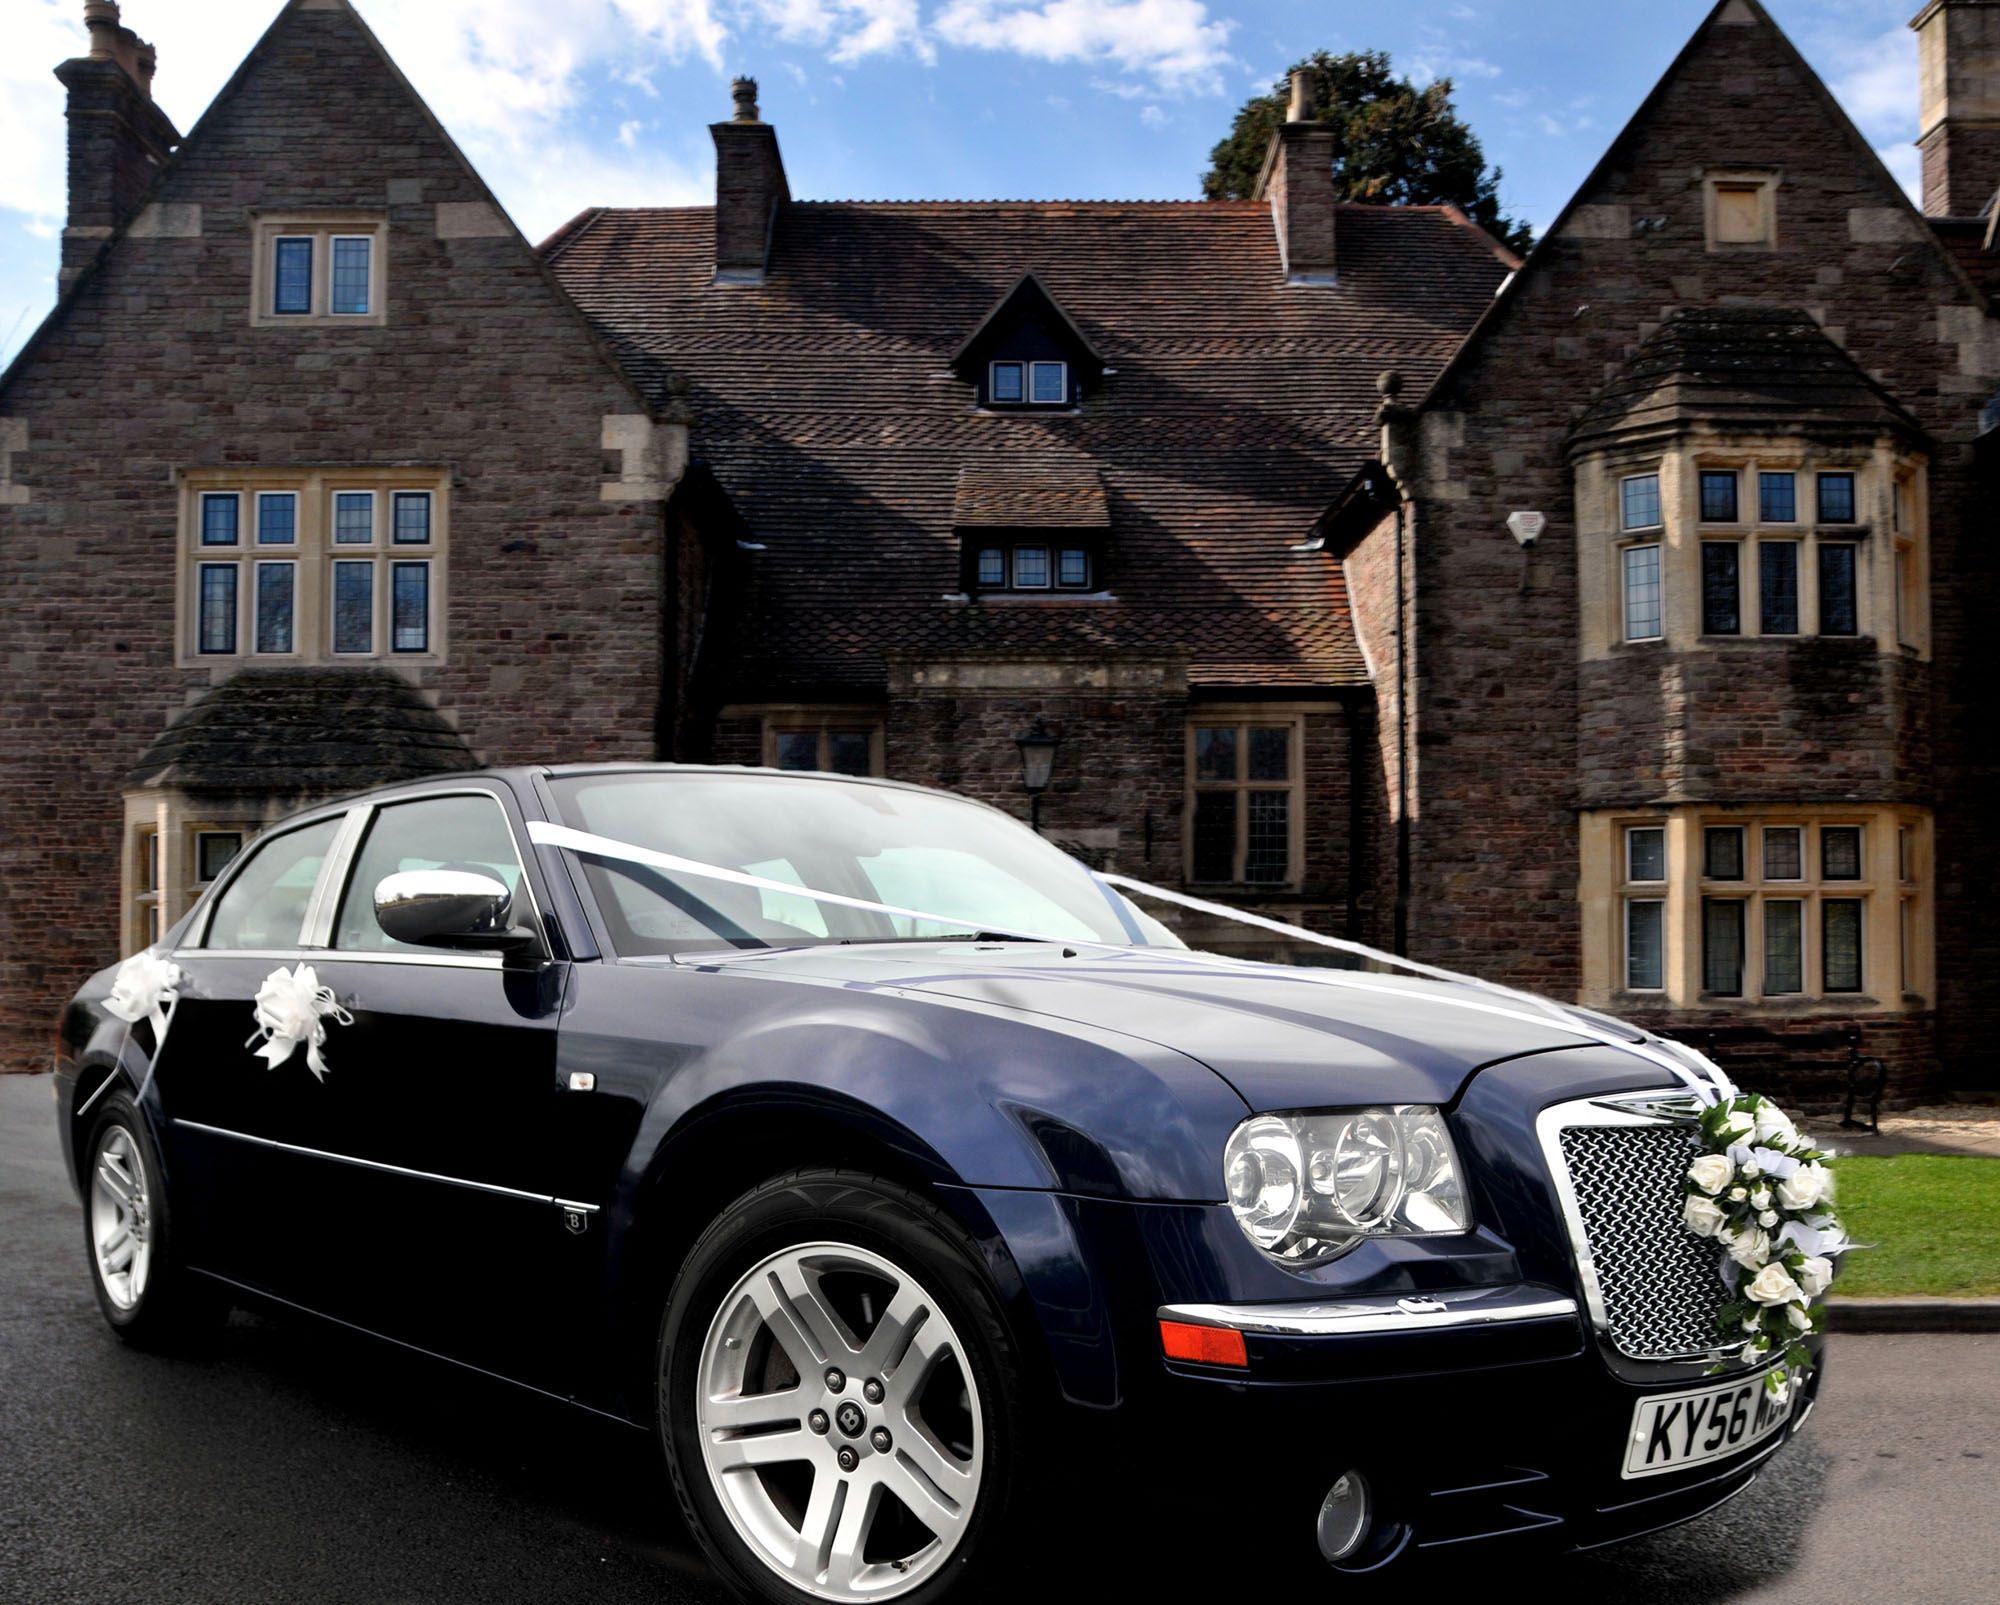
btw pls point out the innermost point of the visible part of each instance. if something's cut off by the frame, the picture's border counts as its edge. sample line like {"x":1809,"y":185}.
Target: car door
{"x":222,"y":1107}
{"x":435,"y":1198}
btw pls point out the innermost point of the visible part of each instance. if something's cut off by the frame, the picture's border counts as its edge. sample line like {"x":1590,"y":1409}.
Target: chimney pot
{"x":1301,"y":109}
{"x":101,"y":18}
{"x":750,"y":189}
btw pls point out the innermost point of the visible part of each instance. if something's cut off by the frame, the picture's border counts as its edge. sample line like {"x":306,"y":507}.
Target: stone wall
{"x":152,"y":367}
{"x":1512,"y":736}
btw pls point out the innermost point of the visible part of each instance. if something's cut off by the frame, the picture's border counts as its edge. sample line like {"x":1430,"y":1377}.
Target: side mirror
{"x":453,"y":908}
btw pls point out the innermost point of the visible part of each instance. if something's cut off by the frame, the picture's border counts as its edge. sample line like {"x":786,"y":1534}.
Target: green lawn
{"x":1934,"y":1220}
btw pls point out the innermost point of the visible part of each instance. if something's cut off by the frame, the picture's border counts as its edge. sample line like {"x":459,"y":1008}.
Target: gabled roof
{"x":299,"y":732}
{"x":1028,"y":300}
{"x":1740,"y":13}
{"x":1232,"y":410}
{"x":1738,"y":367}
{"x":314,"y":14}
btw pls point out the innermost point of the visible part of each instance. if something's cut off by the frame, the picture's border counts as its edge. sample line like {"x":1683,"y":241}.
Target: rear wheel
{"x":147,"y":1295}
{"x":840,"y":1400}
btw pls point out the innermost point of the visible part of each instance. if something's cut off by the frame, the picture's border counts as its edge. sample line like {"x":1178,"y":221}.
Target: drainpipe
{"x":1400,"y":943}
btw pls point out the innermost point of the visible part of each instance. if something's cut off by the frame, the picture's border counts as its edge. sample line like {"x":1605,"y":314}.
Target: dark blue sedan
{"x":896,"y":1171}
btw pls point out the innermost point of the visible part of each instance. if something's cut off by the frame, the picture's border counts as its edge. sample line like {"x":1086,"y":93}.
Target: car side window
{"x":264,"y":905}
{"x":464,"y":832}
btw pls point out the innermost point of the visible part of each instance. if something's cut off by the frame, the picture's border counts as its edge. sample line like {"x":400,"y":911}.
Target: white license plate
{"x":1674,"y":1430}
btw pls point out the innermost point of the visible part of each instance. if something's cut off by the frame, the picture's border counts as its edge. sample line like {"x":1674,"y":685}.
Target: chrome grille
{"x":1660,"y":1286}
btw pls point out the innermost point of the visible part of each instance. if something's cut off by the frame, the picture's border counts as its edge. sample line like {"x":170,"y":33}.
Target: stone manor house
{"x":1619,"y":622}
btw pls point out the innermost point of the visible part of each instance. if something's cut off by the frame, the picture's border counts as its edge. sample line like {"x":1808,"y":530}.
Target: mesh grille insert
{"x":1660,"y":1284}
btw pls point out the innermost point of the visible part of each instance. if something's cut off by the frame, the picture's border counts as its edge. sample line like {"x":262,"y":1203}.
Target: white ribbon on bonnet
{"x":1693,"y":1069}
{"x":293,"y":1008}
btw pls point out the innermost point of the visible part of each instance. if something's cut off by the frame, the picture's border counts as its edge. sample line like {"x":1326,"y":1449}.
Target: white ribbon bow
{"x":145,"y":988}
{"x":293,"y":1008}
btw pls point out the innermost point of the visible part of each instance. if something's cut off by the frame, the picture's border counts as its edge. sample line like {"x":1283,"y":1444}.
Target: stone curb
{"x":1867,"y":1315}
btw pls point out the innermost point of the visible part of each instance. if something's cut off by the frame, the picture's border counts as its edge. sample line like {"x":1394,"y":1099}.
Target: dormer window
{"x":1027,"y":353}
{"x":1034,"y":566}
{"x":1012,"y":383}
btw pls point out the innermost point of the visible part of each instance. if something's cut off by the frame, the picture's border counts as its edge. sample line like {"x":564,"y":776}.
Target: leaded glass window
{"x":1721,"y":587}
{"x":1778,"y":587}
{"x":353,"y":255}
{"x":354,"y":607}
{"x":292,"y":275}
{"x":1839,"y":600}
{"x":275,"y":583}
{"x":410,"y":607}
{"x":1642,"y":593}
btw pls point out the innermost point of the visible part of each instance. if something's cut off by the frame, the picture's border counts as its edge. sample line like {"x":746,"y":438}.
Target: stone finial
{"x":744,"y":92}
{"x":1303,"y":105}
{"x":1389,"y":382}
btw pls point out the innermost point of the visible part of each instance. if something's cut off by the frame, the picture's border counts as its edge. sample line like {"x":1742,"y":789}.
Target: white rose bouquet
{"x":1763,"y":1193}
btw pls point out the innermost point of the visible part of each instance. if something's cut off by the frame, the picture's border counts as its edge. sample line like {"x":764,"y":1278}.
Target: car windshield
{"x":917,"y":850}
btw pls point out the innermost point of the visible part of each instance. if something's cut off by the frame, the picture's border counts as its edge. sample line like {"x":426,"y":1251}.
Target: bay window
{"x":1740,"y":910}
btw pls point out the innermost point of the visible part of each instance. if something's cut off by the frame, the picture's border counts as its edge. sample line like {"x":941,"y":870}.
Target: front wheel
{"x":147,"y":1295}
{"x":840,"y":1400}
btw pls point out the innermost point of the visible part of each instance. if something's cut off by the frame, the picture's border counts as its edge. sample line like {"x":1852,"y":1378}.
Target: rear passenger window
{"x":464,"y":832}
{"x":264,"y":906}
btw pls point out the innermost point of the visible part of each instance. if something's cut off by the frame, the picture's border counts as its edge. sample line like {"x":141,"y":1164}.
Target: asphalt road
{"x":296,"y":1463}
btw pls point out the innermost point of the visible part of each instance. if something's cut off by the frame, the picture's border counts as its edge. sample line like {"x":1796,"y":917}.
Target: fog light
{"x":1343,"y":1517}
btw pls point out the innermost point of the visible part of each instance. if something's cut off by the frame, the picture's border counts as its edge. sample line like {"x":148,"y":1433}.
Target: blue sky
{"x":568,"y":103}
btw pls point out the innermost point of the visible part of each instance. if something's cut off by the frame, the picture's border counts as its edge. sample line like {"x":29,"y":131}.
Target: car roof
{"x":520,"y":777}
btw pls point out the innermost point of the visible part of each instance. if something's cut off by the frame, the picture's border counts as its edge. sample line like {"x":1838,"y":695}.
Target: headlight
{"x":1308,"y":1187}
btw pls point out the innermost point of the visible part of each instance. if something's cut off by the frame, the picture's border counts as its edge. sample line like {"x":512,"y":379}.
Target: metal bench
{"x":1866,"y":1076}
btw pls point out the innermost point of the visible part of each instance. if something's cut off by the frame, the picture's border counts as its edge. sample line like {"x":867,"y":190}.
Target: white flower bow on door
{"x":293,"y":1008}
{"x":146,"y":987}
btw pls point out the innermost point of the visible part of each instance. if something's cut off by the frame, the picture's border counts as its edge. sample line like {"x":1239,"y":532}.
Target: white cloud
{"x":1876,"y":81}
{"x":1173,"y":42}
{"x":848,"y":29}
{"x":1153,"y":116}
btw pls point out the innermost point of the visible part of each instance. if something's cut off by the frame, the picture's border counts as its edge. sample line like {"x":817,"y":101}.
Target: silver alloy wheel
{"x":121,"y":1222}
{"x":839,"y":1423}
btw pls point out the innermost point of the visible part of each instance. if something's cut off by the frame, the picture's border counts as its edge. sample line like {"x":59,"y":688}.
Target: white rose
{"x":1751,"y":1171}
{"x":1738,"y":1194}
{"x":1703,"y":1216}
{"x":1712,"y":1172}
{"x":1796,"y":1314}
{"x":1804,"y":1188}
{"x":1738,"y":1123}
{"x":1815,"y":1275}
{"x":1761,"y":1199}
{"x":1750,"y":1249}
{"x":1773,"y":1122}
{"x":1774,"y":1285}
{"x":1768,"y":1218}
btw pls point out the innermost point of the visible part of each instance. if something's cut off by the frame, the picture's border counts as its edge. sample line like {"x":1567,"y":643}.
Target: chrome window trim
{"x":1401,"y":1315}
{"x":318,"y":925}
{"x":388,"y":1169}
{"x":521,"y":860}
{"x":197,"y":934}
{"x":322,"y":955}
{"x":1663,"y":1106}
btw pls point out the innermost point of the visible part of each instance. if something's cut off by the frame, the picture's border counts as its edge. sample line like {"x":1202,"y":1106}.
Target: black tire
{"x":880,"y":1217}
{"x":173,"y":1310}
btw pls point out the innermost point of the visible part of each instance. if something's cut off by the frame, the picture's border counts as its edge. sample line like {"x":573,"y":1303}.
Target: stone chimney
{"x":749,"y":188}
{"x":1958,"y":97}
{"x":1298,"y":182}
{"x":118,"y":139}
